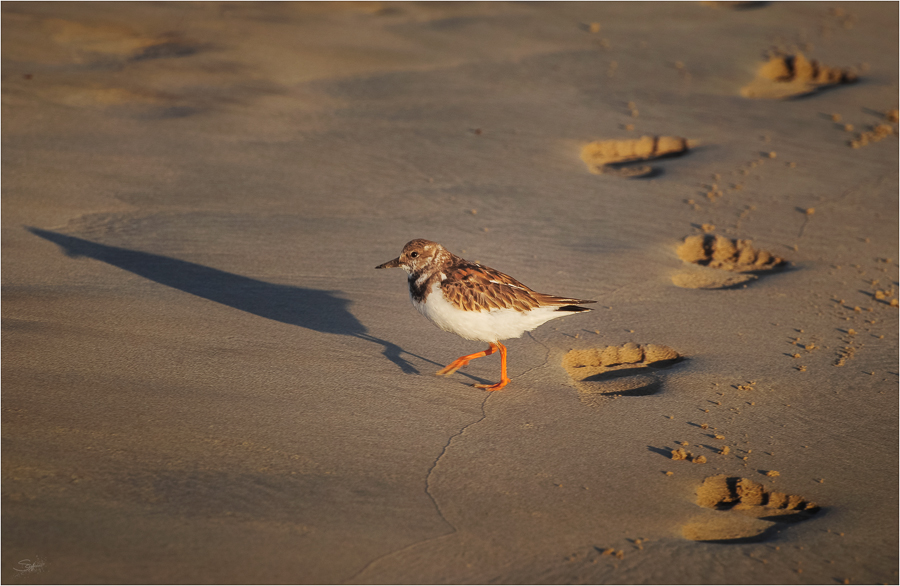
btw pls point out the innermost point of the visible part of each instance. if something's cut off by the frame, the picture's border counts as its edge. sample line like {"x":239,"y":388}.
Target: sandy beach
{"x":204,"y":380}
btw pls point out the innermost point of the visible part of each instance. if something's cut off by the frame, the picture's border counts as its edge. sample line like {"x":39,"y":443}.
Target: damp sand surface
{"x":205,"y":379}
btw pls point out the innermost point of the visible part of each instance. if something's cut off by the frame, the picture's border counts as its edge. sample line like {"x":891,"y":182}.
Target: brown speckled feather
{"x":475,"y":287}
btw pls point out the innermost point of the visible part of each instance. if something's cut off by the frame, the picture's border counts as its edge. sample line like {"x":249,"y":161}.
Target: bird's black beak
{"x":391,"y":264}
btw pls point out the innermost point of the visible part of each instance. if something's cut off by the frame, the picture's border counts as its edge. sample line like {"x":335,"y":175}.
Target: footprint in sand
{"x":744,"y":511}
{"x":610,"y":156}
{"x":786,"y":76}
{"x":627,"y":370}
{"x":717,"y":262}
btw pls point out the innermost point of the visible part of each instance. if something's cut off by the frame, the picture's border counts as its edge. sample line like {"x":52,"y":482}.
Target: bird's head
{"x":416,"y":255}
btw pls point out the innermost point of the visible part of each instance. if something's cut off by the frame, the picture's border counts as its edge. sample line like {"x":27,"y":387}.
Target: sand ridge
{"x":608,"y":156}
{"x":878,"y":131}
{"x":787,"y":75}
{"x":614,"y":371}
{"x":712,"y":251}
{"x":719,"y":252}
{"x":748,"y":511}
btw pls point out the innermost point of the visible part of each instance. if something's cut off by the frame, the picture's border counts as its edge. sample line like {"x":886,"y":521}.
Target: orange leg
{"x":464,"y":360}
{"x":503,"y":378}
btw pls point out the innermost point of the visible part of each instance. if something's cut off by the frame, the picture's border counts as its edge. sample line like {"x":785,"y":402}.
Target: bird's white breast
{"x":486,"y":326}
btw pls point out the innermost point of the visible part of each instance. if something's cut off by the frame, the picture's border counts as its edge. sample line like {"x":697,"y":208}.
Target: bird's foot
{"x":494,"y":387}
{"x":451,"y":368}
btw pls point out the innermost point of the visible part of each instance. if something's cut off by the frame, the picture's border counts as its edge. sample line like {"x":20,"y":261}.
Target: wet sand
{"x":205,"y":379}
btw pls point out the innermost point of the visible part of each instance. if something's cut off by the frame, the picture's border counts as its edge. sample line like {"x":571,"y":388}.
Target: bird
{"x":475,"y":301}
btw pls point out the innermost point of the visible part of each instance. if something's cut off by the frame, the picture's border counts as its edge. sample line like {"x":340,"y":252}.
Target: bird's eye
{"x":414,"y":254}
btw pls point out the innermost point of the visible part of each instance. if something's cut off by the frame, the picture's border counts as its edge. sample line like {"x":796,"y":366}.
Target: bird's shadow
{"x":313,"y":309}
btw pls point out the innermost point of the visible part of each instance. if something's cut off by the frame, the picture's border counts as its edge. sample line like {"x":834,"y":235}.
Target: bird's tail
{"x":573,"y":308}
{"x":564,"y":303}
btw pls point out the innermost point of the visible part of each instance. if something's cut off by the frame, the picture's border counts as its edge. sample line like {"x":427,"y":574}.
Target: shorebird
{"x":475,"y":301}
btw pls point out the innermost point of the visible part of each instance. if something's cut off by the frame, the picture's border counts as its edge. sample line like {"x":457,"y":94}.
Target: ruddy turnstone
{"x":474,"y":301}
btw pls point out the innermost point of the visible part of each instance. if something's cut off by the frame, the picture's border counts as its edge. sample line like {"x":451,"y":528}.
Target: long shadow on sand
{"x":314,"y":309}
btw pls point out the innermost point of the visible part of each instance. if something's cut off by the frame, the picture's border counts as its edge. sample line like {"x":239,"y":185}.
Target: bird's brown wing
{"x":474,"y":287}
